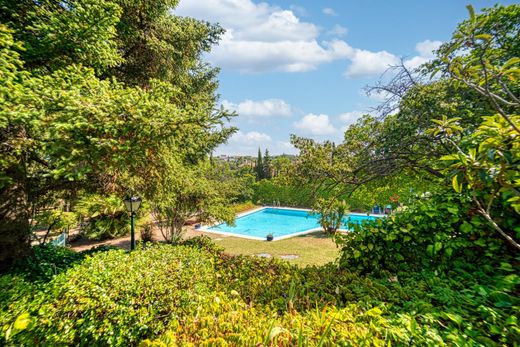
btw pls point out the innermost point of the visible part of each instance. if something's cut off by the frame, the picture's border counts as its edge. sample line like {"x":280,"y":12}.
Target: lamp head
{"x":132,"y":204}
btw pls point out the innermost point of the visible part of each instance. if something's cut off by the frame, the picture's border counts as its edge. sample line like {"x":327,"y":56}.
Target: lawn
{"x":311,"y":249}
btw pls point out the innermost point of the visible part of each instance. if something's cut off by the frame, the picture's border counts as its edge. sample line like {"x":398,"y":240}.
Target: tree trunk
{"x":14,"y":224}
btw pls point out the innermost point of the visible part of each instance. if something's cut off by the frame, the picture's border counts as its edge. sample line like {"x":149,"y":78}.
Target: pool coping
{"x":205,"y":228}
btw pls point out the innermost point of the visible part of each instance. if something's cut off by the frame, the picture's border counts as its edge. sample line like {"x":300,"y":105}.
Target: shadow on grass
{"x":316,"y":235}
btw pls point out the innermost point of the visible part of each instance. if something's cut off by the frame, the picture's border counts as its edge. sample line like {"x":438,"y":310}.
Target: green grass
{"x":311,"y":249}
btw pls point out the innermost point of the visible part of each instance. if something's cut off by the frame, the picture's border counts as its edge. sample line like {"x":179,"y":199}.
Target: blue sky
{"x":300,"y":67}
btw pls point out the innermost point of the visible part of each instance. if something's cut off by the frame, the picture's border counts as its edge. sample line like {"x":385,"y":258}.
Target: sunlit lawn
{"x":312,"y":249}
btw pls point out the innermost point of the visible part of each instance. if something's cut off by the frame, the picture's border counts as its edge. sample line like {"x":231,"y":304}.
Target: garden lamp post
{"x":132,"y":205}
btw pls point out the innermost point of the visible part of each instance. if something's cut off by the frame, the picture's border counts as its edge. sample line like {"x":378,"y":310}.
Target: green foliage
{"x":191,"y":193}
{"x":46,"y":262}
{"x":485,"y":163}
{"x":98,"y":97}
{"x":55,"y":220}
{"x":276,"y":190}
{"x":429,"y":234}
{"x":331,"y":213}
{"x":196,"y":294}
{"x":103,"y":217}
{"x":259,"y":166}
{"x":115,"y":298}
{"x":487,"y":168}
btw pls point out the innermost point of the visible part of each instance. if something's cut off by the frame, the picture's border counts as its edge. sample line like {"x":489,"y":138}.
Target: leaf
{"x":485,"y":37}
{"x":22,"y":322}
{"x":454,"y":317}
{"x":471,"y":11}
{"x":455,"y":183}
{"x":510,"y":62}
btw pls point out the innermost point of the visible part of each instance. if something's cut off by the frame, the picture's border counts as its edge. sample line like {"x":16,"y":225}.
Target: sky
{"x":301,"y":67}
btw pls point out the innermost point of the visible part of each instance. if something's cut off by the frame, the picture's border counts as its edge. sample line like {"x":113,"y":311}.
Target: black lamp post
{"x":132,"y":205}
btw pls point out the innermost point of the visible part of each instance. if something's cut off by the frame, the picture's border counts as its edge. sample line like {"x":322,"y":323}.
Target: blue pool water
{"x":278,"y":222}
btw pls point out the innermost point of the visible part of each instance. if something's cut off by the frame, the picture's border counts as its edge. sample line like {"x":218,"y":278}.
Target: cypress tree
{"x":267,"y":165}
{"x":259,"y":166}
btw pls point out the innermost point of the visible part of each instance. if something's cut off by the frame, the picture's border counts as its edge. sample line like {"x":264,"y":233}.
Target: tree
{"x":331,"y":213}
{"x":266,"y":165}
{"x":191,"y":193}
{"x":68,"y":126}
{"x":456,"y":121}
{"x":486,"y":163}
{"x":259,"y":168}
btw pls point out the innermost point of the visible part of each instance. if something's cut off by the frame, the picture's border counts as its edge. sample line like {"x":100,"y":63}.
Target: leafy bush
{"x":271,"y":191}
{"x":244,"y":206}
{"x":427,"y":235}
{"x":114,"y":298}
{"x":226,"y":320}
{"x":45,"y":262}
{"x":195,"y":294}
{"x":330,"y":213}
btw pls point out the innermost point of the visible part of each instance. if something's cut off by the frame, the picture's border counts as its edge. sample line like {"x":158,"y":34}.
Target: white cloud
{"x":338,"y":31}
{"x":426,"y":48}
{"x":288,"y":56}
{"x":426,"y":51}
{"x":260,"y":108}
{"x":349,"y":118}
{"x":261,"y":37}
{"x":368,"y":64}
{"x":249,"y":138}
{"x":315,"y":124}
{"x":299,"y":10}
{"x":329,"y":11}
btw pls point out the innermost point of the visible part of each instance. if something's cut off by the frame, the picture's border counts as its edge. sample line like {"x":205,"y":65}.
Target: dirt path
{"x":124,"y":242}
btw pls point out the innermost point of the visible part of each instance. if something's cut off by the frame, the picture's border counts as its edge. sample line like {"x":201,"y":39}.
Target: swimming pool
{"x":282,"y":223}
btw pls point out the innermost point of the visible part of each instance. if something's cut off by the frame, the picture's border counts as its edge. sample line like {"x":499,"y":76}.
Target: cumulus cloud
{"x":329,"y":11}
{"x":261,"y":37}
{"x":368,"y":64}
{"x":288,"y":56}
{"x":426,"y":51}
{"x":260,"y":108}
{"x":249,"y":138}
{"x":315,"y":124}
{"x":427,"y":48}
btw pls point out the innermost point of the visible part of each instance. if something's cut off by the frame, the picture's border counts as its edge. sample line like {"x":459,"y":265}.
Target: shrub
{"x":146,"y":232}
{"x":270,"y":191}
{"x":427,"y":235}
{"x":196,"y":294}
{"x":45,"y":262}
{"x":244,"y":206}
{"x":227,"y":321}
{"x":115,"y":298}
